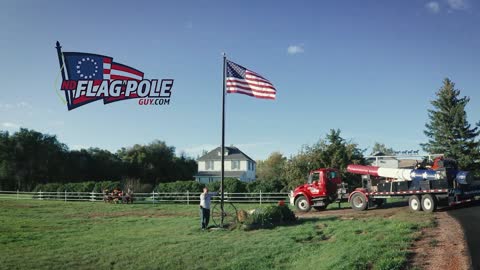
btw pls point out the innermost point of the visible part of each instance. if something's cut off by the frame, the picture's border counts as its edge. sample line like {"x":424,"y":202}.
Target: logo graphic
{"x":90,"y":77}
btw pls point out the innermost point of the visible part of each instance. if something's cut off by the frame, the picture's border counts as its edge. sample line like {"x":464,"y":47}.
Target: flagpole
{"x":62,"y":68}
{"x":223,"y":140}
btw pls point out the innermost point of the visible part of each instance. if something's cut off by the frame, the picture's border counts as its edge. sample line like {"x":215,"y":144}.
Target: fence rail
{"x":146,"y":198}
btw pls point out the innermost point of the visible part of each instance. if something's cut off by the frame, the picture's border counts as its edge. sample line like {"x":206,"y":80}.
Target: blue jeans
{"x":204,"y":217}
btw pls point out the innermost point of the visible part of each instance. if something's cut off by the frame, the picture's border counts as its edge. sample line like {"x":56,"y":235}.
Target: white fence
{"x":150,"y":198}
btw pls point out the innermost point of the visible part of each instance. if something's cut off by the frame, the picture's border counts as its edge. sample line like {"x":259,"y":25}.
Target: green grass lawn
{"x":84,"y":235}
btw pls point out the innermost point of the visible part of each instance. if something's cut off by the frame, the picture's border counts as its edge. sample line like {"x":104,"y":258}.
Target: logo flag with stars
{"x":243,"y":81}
{"x":87,"y":66}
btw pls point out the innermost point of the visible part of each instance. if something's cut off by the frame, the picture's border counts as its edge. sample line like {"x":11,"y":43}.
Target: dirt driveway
{"x":440,"y":247}
{"x":469,"y":217}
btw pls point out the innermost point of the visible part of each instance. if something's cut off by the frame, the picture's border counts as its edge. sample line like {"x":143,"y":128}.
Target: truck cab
{"x":320,"y":190}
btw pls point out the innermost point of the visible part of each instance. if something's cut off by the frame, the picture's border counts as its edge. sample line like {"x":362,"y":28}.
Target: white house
{"x":237,"y":165}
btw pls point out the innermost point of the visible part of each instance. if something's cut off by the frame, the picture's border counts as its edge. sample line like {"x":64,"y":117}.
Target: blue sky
{"x":369,"y":68}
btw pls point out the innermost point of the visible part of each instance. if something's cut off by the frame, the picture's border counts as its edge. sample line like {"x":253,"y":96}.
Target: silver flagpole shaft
{"x":223,"y":142}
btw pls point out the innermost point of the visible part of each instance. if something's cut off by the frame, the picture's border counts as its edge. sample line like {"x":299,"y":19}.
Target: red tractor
{"x":324,"y":186}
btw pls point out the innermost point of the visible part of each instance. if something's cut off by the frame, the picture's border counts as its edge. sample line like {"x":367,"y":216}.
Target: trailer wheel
{"x":429,"y":203}
{"x":415,"y":203}
{"x":302,"y":204}
{"x":359,"y":202}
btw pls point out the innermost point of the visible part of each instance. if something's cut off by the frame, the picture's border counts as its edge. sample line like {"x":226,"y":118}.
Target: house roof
{"x":233,"y":154}
{"x":218,"y":174}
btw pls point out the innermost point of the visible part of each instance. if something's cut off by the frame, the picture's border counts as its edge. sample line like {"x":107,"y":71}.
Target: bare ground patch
{"x":441,"y":247}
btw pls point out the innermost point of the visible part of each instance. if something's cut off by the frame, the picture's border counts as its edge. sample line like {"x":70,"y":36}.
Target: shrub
{"x":87,"y":186}
{"x":110,"y":185}
{"x":50,"y":187}
{"x":269,"y":217}
{"x":136,"y":185}
{"x":180,"y":186}
{"x":278,"y":214}
{"x":265,"y":186}
{"x":231,"y":185}
{"x":214,"y":186}
{"x":39,"y":187}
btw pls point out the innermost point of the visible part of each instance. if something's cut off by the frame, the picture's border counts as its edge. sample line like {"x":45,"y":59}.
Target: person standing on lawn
{"x":205,"y":199}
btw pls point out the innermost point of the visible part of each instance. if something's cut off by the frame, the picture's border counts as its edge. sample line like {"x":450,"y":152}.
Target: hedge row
{"x":78,"y":187}
{"x":232,"y":185}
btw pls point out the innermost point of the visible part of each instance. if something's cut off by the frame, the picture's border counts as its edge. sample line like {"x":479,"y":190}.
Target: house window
{"x":250,"y":165}
{"x":209,"y":165}
{"x":235,"y":164}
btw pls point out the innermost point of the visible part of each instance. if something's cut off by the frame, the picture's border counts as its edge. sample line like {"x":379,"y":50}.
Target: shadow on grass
{"x":460,"y":206}
{"x":298,"y":222}
{"x":304,"y":220}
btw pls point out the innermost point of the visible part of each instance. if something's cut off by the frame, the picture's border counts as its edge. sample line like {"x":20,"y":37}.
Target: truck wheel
{"x":320,"y":208}
{"x":414,"y":203}
{"x":359,"y":202}
{"x":429,"y":203}
{"x":302,"y":204}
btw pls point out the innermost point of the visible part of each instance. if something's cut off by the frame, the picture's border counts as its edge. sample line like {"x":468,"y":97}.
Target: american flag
{"x":87,"y":66}
{"x":243,"y":81}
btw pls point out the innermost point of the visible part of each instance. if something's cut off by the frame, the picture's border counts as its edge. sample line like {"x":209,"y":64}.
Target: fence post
{"x":188,"y":198}
{"x":260,"y":197}
{"x":17,"y":194}
{"x":153,"y":201}
{"x":65,"y":195}
{"x":92,"y":197}
{"x":41,"y":195}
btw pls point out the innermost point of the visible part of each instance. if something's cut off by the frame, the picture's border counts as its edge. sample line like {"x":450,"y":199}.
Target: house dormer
{"x":220,"y":151}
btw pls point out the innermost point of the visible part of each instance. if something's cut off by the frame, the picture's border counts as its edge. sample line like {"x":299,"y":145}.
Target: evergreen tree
{"x":448,"y":130}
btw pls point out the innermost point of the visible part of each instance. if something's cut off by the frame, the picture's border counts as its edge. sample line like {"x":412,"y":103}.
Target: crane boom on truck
{"x":425,"y":187}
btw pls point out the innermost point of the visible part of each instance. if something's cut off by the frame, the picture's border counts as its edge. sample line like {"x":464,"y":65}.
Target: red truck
{"x":324,"y":186}
{"x":424,"y":187}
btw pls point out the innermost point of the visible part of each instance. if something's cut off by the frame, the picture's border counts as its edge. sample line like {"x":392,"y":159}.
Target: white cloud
{"x":457,"y":4}
{"x":295,"y":49}
{"x":252,"y":145}
{"x":195,"y":151}
{"x":6,"y":106}
{"x":433,"y":7}
{"x":19,"y":105}
{"x":10,"y":125}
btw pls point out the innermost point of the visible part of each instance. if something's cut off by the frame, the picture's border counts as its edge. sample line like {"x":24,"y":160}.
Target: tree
{"x":29,"y":158}
{"x":448,"y":130}
{"x":331,"y":152}
{"x":380,"y":147}
{"x":272,"y":168}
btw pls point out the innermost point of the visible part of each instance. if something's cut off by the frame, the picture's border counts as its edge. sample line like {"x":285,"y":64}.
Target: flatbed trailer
{"x":424,"y":199}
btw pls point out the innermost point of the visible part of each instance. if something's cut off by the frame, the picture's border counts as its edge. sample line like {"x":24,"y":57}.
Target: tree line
{"x":29,"y":158}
